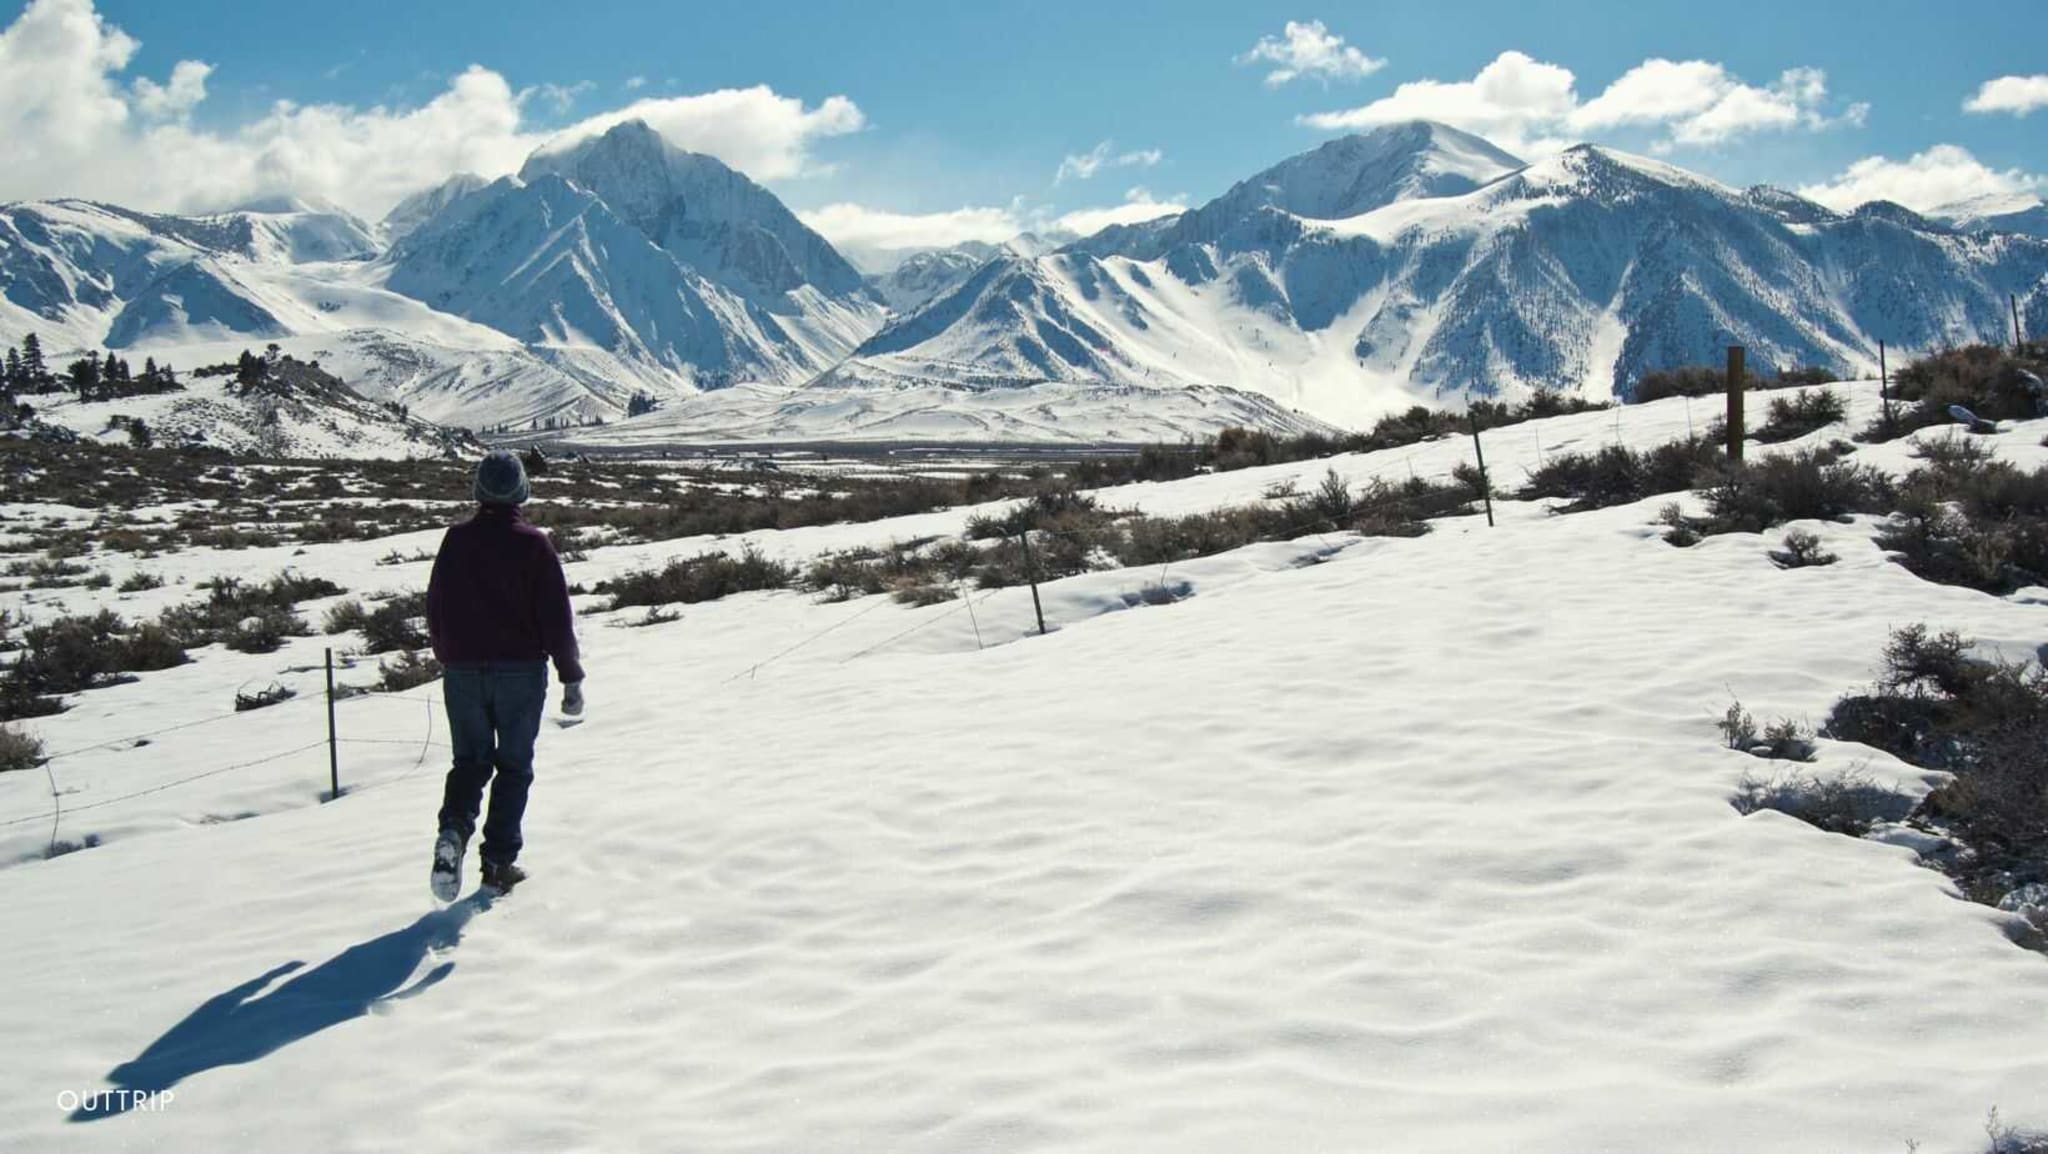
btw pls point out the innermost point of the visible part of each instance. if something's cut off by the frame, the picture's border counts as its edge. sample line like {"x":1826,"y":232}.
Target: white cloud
{"x":562,"y":96}
{"x":1533,"y":106}
{"x":1138,"y":207}
{"x":1516,"y":101}
{"x":73,"y":128}
{"x":636,"y":82}
{"x":756,"y":130}
{"x":1941,"y":176}
{"x":171,"y":101}
{"x":878,"y":238}
{"x":1310,"y":49}
{"x":2018,"y":95}
{"x":1085,"y":165}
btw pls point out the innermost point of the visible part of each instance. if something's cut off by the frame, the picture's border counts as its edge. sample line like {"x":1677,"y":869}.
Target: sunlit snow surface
{"x":1425,"y":847}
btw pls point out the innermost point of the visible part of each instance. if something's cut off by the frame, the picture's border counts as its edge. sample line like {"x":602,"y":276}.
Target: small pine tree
{"x":85,"y":378}
{"x":32,"y":367}
{"x":250,"y":370}
{"x":12,"y":373}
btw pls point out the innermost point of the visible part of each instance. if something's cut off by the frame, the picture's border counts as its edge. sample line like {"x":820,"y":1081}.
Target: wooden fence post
{"x":1031,"y":571}
{"x":1884,"y":387}
{"x":1735,"y":427}
{"x":333,"y":747}
{"x":1479,"y":450}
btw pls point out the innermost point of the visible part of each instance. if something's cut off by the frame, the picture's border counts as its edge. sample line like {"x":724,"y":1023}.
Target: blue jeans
{"x":494,"y":712}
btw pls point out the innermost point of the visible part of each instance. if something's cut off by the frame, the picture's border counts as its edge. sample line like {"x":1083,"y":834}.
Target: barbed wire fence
{"x":965,"y":600}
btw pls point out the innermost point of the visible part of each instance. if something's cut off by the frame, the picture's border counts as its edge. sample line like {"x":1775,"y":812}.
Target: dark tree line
{"x":24,"y":372}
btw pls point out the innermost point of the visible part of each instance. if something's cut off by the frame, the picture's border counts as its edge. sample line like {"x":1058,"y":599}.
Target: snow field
{"x":1424,"y":847}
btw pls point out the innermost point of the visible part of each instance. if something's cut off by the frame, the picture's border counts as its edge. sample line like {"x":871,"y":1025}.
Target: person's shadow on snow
{"x":237,"y":1026}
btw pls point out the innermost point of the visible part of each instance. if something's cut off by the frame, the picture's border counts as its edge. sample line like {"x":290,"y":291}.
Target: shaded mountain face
{"x":1457,"y":276}
{"x":706,"y":215}
{"x":1411,"y":263}
{"x":923,"y":276}
{"x":417,"y":209}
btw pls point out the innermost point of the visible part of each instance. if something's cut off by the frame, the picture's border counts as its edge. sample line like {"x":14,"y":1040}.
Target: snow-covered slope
{"x":1411,"y":263}
{"x":1417,"y":845}
{"x":1578,"y":273}
{"x":925,"y":276}
{"x":1998,"y":212}
{"x":303,"y":411}
{"x":414,"y":210}
{"x":874,"y":410}
{"x":614,"y":265}
{"x":708,"y":216}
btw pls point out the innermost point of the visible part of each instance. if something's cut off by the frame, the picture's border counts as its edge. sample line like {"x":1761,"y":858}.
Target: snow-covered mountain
{"x":415,"y":210}
{"x":1411,"y":263}
{"x":925,"y":276}
{"x":1998,"y":212}
{"x":612,"y":265}
{"x":1417,"y":262}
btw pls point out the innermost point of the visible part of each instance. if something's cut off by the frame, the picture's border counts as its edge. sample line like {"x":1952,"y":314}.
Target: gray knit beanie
{"x":501,"y":479}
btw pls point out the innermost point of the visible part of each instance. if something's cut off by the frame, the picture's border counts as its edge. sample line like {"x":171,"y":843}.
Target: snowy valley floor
{"x":1387,"y":844}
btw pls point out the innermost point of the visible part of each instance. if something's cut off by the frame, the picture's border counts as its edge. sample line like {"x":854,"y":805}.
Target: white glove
{"x":572,"y":698}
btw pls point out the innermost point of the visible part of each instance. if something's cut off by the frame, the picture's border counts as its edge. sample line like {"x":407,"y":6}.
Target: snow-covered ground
{"x":1412,"y":845}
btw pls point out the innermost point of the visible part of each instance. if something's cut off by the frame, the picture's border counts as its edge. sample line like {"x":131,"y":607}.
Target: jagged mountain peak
{"x":704,"y":212}
{"x":415,"y":210}
{"x":1788,"y":206}
{"x":1358,"y":173}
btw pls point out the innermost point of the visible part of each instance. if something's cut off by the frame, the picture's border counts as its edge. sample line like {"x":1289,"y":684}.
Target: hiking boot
{"x":447,"y":876}
{"x":500,"y":878}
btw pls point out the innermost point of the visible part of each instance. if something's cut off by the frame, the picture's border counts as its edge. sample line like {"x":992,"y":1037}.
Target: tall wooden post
{"x":1479,"y":451}
{"x":1735,"y":427}
{"x":333,"y":747}
{"x":1884,"y":387}
{"x":1031,"y":571}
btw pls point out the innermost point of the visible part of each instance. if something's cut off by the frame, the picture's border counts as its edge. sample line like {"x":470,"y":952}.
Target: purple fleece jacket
{"x":498,"y":594}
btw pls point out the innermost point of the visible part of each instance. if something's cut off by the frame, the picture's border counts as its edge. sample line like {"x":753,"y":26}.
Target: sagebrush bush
{"x":249,"y":618}
{"x":1687,"y":381}
{"x":406,"y":671}
{"x":1809,"y":485}
{"x":395,"y":624}
{"x":1988,"y":380}
{"x":1966,"y":519}
{"x":1802,"y":549}
{"x":1619,"y":475}
{"x":141,"y":582}
{"x":344,"y":617}
{"x":74,"y":654}
{"x":1789,"y":418}
{"x":707,"y":577}
{"x":1738,"y":728}
{"x":1848,"y":803}
{"x":19,"y":750}
{"x":1937,"y":706}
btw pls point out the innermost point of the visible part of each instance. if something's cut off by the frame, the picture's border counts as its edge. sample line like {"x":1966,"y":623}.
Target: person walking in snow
{"x":497,"y":609}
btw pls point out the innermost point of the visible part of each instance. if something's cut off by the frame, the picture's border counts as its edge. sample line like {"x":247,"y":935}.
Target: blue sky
{"x":904,"y":121}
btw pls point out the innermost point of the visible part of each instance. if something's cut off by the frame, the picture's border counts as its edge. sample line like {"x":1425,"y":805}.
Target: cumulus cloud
{"x":170,"y":101}
{"x":757,"y":130}
{"x":2018,"y":95}
{"x":1310,"y":49}
{"x":1085,"y":165}
{"x":1138,"y":207}
{"x":878,"y":238}
{"x":1533,"y":106}
{"x":73,"y":128}
{"x":1943,"y":175}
